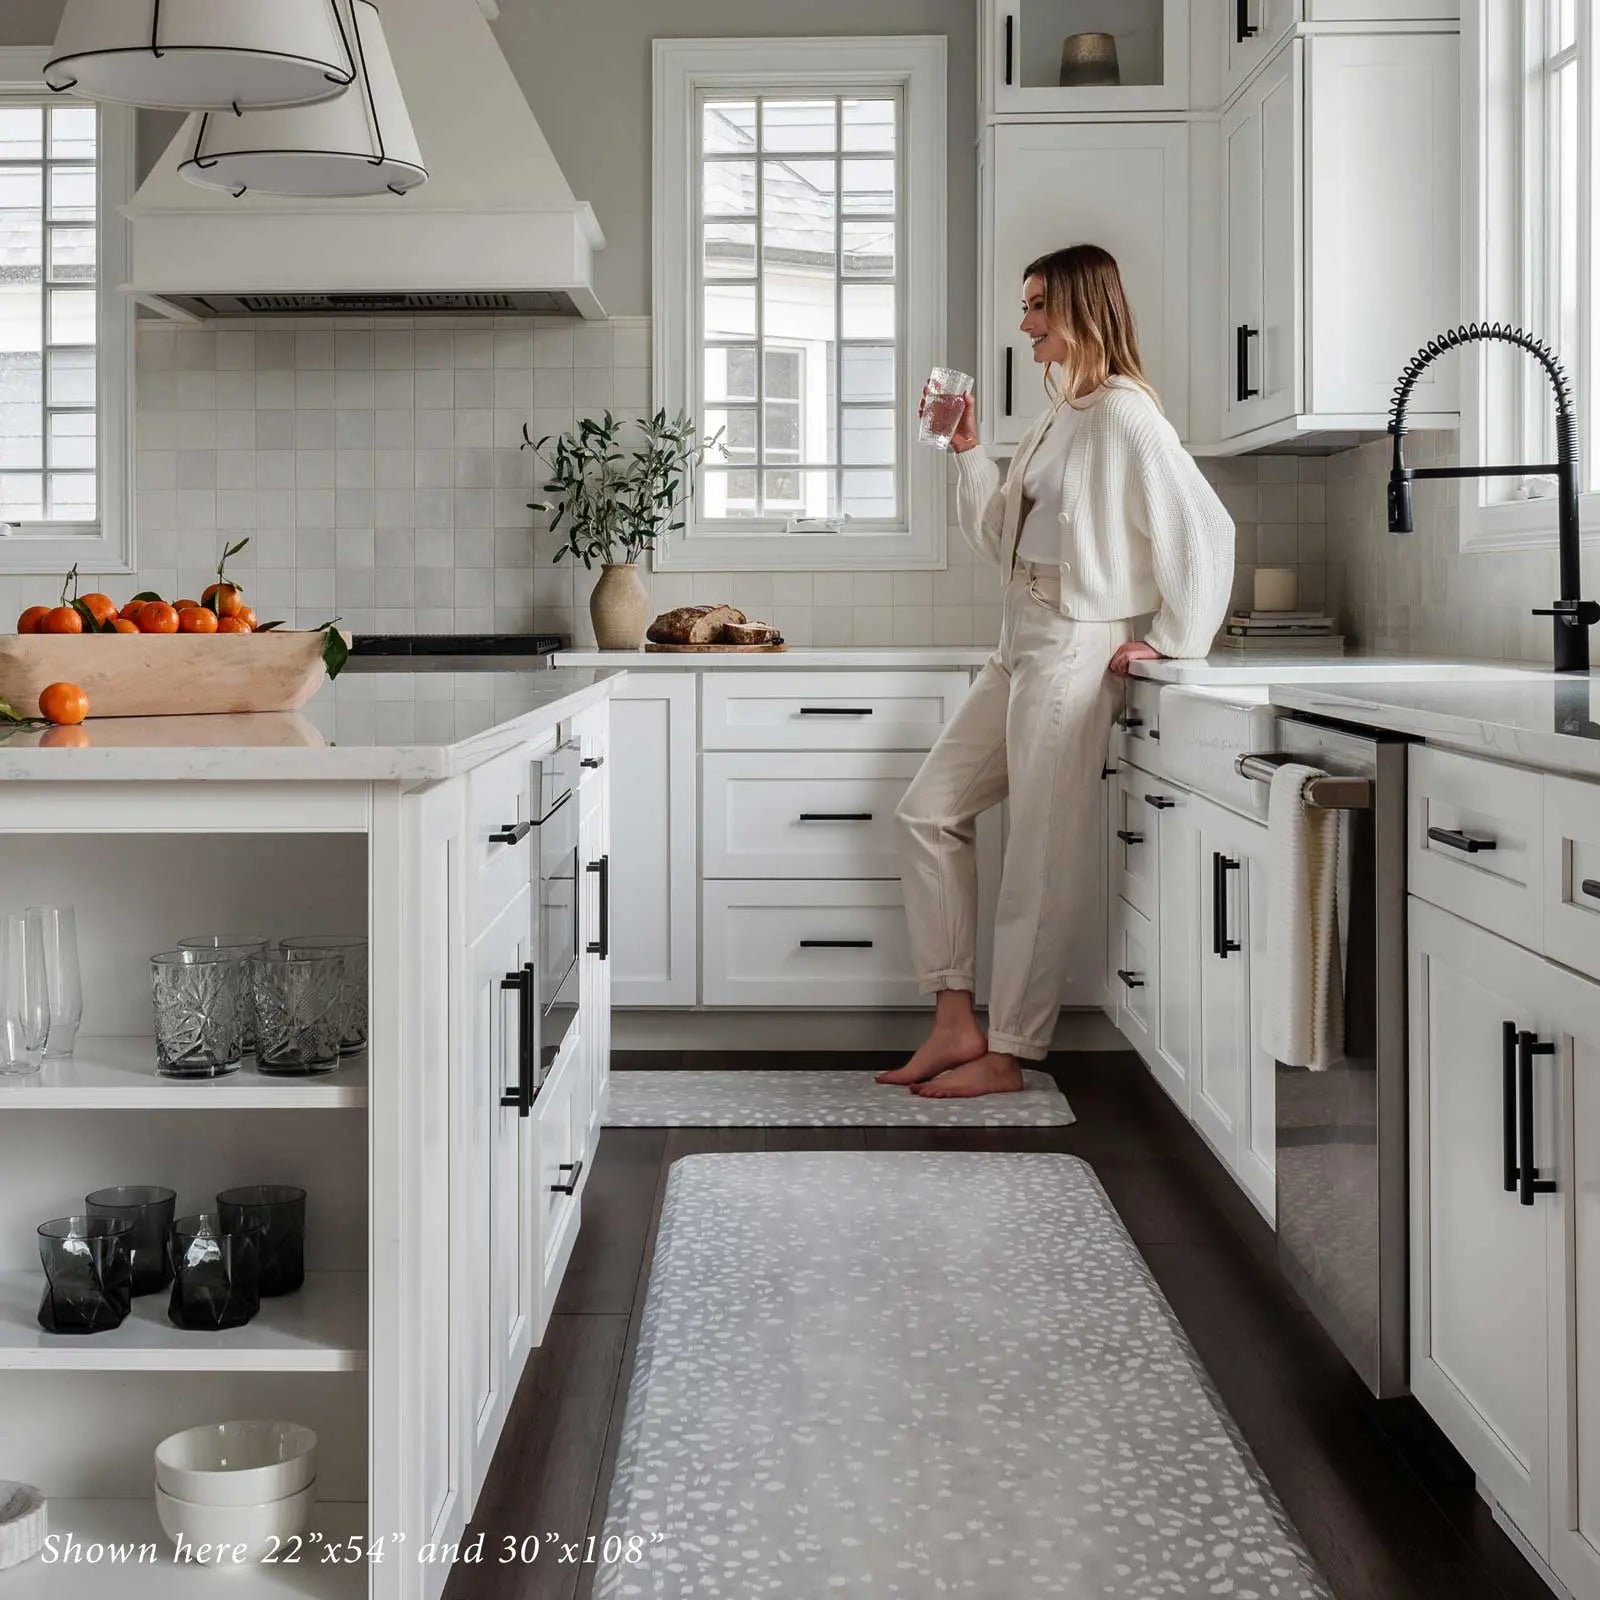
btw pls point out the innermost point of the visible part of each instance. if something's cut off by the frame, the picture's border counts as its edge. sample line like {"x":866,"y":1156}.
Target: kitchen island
{"x":445,"y":1165}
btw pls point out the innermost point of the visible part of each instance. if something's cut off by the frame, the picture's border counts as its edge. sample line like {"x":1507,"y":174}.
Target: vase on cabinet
{"x":619,"y":607}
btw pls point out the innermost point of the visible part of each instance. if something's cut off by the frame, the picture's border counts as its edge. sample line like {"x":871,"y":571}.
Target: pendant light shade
{"x":202,"y":55}
{"x":362,"y":143}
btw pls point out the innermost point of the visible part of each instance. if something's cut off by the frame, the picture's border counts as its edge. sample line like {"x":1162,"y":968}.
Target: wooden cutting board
{"x":715,"y":649}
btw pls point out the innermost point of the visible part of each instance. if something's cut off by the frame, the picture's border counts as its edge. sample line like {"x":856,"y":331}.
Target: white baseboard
{"x":685,"y":1029}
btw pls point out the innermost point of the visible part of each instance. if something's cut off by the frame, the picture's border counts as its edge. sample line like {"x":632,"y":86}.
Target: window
{"x":65,"y":331}
{"x":799,"y":295}
{"x":1529,"y":72}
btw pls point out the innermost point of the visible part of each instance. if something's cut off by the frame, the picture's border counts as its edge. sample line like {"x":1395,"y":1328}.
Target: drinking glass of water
{"x":943,"y":402}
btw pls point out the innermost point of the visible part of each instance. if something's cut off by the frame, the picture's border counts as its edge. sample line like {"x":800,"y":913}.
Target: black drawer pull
{"x":1529,"y":1183}
{"x":1160,"y":801}
{"x":1591,"y":887}
{"x":1008,"y":371}
{"x":594,"y":763}
{"x":571,"y":1185}
{"x":1243,"y":28}
{"x":1222,"y":944}
{"x":1129,"y":838}
{"x":836,"y":816}
{"x":1472,"y":843}
{"x":835,"y":944}
{"x":1508,"y":1099}
{"x":1131,"y":979}
{"x":1106,"y":771}
{"x":1242,"y":335}
{"x":1130,"y":720}
{"x":511,"y":833}
{"x":835,"y":711}
{"x":602,"y":946}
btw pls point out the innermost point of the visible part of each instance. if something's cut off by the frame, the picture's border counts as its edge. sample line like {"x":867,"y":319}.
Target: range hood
{"x":495,"y":228}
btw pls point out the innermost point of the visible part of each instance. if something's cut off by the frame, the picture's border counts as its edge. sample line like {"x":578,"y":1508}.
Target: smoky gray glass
{"x":199,"y":1006}
{"x":352,"y":951}
{"x":147,"y":1210}
{"x":88,"y":1275}
{"x":298,"y":999}
{"x":216,"y":1273}
{"x":242,"y":946}
{"x":277,"y":1211}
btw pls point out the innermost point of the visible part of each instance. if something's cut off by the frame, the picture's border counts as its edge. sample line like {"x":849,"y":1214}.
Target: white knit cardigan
{"x":1146,"y":531}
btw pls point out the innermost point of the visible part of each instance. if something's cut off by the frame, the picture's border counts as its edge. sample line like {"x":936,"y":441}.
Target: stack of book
{"x":1308,"y":633}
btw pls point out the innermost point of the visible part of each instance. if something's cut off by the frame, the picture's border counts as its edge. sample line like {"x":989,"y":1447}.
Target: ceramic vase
{"x":619,"y":607}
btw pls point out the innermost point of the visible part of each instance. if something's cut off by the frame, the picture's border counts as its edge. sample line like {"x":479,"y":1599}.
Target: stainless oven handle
{"x":602,"y":946}
{"x":1325,"y":793}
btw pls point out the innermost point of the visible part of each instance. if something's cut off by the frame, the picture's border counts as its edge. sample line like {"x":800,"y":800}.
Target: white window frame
{"x":1505,"y":398}
{"x":683,"y":69}
{"x":107,"y":544}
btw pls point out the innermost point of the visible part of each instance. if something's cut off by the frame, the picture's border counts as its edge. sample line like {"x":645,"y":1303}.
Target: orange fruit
{"x":247,"y":616}
{"x":197,"y":619}
{"x":65,"y":739}
{"x":63,"y":703}
{"x":224,"y":598}
{"x":61,"y":619}
{"x":232,"y":625}
{"x":30,"y":619}
{"x":156,"y":616}
{"x":101,"y":607}
{"x":132,"y":609}
{"x":184,"y":605}
{"x":122,"y":625}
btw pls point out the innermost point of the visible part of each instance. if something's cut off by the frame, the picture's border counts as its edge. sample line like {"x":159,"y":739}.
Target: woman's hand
{"x":966,"y":434}
{"x":1134,"y":650}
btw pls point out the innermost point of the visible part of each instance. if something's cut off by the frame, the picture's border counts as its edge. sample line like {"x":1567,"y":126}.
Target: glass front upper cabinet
{"x":1054,"y":56}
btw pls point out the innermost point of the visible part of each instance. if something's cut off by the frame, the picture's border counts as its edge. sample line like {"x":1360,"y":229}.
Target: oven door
{"x":555,"y":931}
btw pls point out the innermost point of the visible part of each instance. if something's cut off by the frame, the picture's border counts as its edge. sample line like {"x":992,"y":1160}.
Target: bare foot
{"x":991,"y":1073}
{"x":946,"y":1047}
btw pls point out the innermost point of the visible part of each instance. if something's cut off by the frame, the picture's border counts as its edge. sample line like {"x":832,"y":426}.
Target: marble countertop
{"x":374,"y":724}
{"x":875,"y":658}
{"x":1539,"y":720}
{"x":1225,"y":667}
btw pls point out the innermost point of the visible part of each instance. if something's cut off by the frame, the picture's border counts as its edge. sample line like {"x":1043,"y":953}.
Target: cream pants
{"x":1033,"y":727}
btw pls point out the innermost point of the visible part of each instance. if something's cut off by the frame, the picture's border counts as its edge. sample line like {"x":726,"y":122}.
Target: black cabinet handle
{"x":836,"y":816}
{"x":594,"y":763}
{"x":522,"y":1096}
{"x":1472,"y":843}
{"x":835,"y":711}
{"x":511,"y":833}
{"x":1128,"y":837}
{"x":1011,"y":39}
{"x":1107,"y":771}
{"x":1242,"y":335}
{"x":1130,"y":720}
{"x":1131,"y":979}
{"x":602,"y":946}
{"x":1222,"y":944}
{"x":835,"y":944}
{"x":1591,"y":887}
{"x":1008,"y":380}
{"x":1529,"y":1182}
{"x":1160,"y":801}
{"x":1243,"y":28}
{"x":1508,"y":1099}
{"x":571,"y":1185}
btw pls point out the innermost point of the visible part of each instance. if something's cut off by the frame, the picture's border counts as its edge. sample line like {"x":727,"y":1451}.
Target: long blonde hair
{"x":1087,"y":306}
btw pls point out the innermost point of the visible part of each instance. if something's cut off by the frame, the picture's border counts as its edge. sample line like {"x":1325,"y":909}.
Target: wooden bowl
{"x":165,"y":674}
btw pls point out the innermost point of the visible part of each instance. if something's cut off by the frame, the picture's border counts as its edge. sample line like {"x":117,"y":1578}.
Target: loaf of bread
{"x":692,"y":624}
{"x":749,"y":633}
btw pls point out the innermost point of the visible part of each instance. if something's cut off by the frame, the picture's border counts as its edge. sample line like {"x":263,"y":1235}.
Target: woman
{"x":1102,"y":520}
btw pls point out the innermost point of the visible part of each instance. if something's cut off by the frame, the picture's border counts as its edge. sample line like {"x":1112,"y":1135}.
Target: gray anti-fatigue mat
{"x":885,"y":1374}
{"x":797,"y":1097}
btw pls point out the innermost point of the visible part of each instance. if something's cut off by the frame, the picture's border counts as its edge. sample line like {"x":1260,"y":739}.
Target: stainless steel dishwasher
{"x":1341,"y":1133}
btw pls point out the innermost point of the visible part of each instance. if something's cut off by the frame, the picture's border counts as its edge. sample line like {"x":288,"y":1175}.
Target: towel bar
{"x":1326,"y":794}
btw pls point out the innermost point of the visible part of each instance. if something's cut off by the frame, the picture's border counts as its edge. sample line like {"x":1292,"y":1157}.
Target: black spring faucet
{"x":1572,"y":615}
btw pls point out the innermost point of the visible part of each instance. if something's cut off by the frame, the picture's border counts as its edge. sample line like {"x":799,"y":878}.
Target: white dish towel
{"x":1303,"y":1014}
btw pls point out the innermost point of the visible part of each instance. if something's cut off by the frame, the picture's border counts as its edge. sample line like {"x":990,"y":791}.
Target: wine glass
{"x":24,"y":997}
{"x":58,"y":932}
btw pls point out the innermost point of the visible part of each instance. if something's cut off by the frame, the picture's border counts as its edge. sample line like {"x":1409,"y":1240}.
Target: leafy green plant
{"x":614,"y":498}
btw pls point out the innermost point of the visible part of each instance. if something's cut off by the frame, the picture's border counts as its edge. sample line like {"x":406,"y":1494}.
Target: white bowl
{"x":234,"y":1535}
{"x":237,"y":1463}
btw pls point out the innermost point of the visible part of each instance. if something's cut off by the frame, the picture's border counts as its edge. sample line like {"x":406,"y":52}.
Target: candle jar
{"x":88,"y":1274}
{"x":216,"y":1274}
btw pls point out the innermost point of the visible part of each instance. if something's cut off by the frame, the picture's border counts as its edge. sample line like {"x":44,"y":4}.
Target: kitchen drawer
{"x":827,"y":710}
{"x":1571,"y":892}
{"x":500,"y":802}
{"x":588,"y":730}
{"x":1137,"y":729}
{"x":561,"y":1111}
{"x":1475,"y":845}
{"x":1133,"y":953}
{"x":1133,"y":843}
{"x":806,"y":945}
{"x":777,"y":814}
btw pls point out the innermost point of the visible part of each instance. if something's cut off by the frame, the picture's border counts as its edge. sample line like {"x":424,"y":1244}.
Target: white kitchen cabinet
{"x":597,"y":932}
{"x":1134,"y":844}
{"x":1219,"y":1102}
{"x":1136,"y":973}
{"x":1123,"y":185}
{"x":1255,"y":28}
{"x":1021,"y":51}
{"x":1571,"y":887}
{"x":1178,"y":927}
{"x":1261,"y":143}
{"x":653,"y":825}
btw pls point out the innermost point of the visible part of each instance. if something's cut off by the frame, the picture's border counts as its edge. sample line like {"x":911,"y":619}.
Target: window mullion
{"x":837,"y":476}
{"x":761,"y":307}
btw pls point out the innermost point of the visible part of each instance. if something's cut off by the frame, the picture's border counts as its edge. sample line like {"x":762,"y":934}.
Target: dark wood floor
{"x":1385,"y":1505}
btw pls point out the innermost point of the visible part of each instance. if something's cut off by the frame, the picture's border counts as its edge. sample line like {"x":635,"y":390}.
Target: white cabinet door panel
{"x":1254,"y":28}
{"x":828,"y":710}
{"x":1178,"y":928}
{"x":1571,"y":888}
